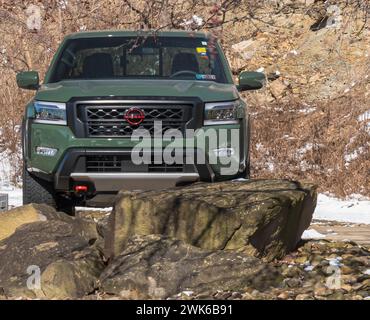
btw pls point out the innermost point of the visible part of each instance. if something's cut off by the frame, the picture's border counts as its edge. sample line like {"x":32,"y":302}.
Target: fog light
{"x":224,"y":152}
{"x":48,"y":152}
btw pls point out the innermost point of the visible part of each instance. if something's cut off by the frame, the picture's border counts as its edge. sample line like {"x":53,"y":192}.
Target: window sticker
{"x":204,"y":43}
{"x":205,"y":77}
{"x":201,"y":50}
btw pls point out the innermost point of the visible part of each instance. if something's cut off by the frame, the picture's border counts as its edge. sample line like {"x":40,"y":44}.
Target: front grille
{"x":108,"y":120}
{"x":120,"y":163}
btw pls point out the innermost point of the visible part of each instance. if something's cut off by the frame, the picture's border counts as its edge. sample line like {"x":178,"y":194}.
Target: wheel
{"x":65,"y":205}
{"x":39,"y":191}
{"x":246,"y":174}
{"x":36,"y":190}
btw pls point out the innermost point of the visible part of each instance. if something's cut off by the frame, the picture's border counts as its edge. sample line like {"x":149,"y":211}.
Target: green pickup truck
{"x":122,"y":110}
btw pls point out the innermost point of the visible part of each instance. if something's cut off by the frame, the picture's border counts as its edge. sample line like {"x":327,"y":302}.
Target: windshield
{"x":139,"y":57}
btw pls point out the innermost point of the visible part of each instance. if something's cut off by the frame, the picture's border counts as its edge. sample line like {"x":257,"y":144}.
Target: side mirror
{"x":28,"y":80}
{"x":251,"y":80}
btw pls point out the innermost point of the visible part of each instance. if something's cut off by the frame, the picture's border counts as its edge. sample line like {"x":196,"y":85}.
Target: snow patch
{"x":335,"y":262}
{"x":355,"y":209}
{"x":7,"y":169}
{"x":353,"y":155}
{"x":364,"y":116}
{"x":309,"y":268}
{"x":188,"y":292}
{"x":307,"y":147}
{"x":312,"y":234}
{"x":294,"y":52}
{"x":107,"y":209}
{"x":15,"y":198}
{"x":307,"y":110}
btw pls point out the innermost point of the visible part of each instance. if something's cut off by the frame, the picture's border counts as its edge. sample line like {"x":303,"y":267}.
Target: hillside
{"x":311,"y":121}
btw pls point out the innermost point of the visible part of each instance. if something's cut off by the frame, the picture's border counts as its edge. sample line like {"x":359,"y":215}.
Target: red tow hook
{"x":81,"y":189}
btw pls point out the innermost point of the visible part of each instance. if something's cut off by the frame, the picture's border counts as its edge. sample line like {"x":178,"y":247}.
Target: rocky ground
{"x":342,"y":231}
{"x":302,"y":275}
{"x":304,"y":54}
{"x":318,"y":270}
{"x":74,"y":264}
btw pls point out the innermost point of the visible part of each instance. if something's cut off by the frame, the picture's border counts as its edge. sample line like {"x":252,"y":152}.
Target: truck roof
{"x":131,"y":33}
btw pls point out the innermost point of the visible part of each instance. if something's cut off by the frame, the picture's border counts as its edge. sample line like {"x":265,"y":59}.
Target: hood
{"x":205,"y":90}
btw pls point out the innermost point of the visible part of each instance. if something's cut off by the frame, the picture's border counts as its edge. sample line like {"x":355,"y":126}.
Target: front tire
{"x":246,"y":174}
{"x":36,"y":190}
{"x":66,"y":205}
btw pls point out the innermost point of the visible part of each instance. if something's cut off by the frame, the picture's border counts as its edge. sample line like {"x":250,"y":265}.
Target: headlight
{"x":50,"y":112}
{"x":221,"y":113}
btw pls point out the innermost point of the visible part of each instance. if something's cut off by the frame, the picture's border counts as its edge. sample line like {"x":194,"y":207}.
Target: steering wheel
{"x":181,"y":72}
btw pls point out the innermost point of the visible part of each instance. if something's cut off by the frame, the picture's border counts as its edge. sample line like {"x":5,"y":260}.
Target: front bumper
{"x":111,"y":182}
{"x":68,"y":166}
{"x":73,"y":169}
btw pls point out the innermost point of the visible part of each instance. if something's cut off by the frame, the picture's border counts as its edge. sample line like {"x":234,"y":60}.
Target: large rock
{"x":157,"y":267}
{"x":261,"y":217}
{"x":58,"y":247}
{"x":12,"y":219}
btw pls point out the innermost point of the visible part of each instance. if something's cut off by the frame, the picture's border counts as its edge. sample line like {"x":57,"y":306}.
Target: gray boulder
{"x":58,"y":249}
{"x":265,"y":218}
{"x":157,"y":267}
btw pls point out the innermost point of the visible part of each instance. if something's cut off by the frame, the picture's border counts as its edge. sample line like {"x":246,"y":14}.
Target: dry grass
{"x":324,"y":142}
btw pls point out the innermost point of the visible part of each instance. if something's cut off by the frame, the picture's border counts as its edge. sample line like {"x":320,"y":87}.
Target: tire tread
{"x":36,"y":190}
